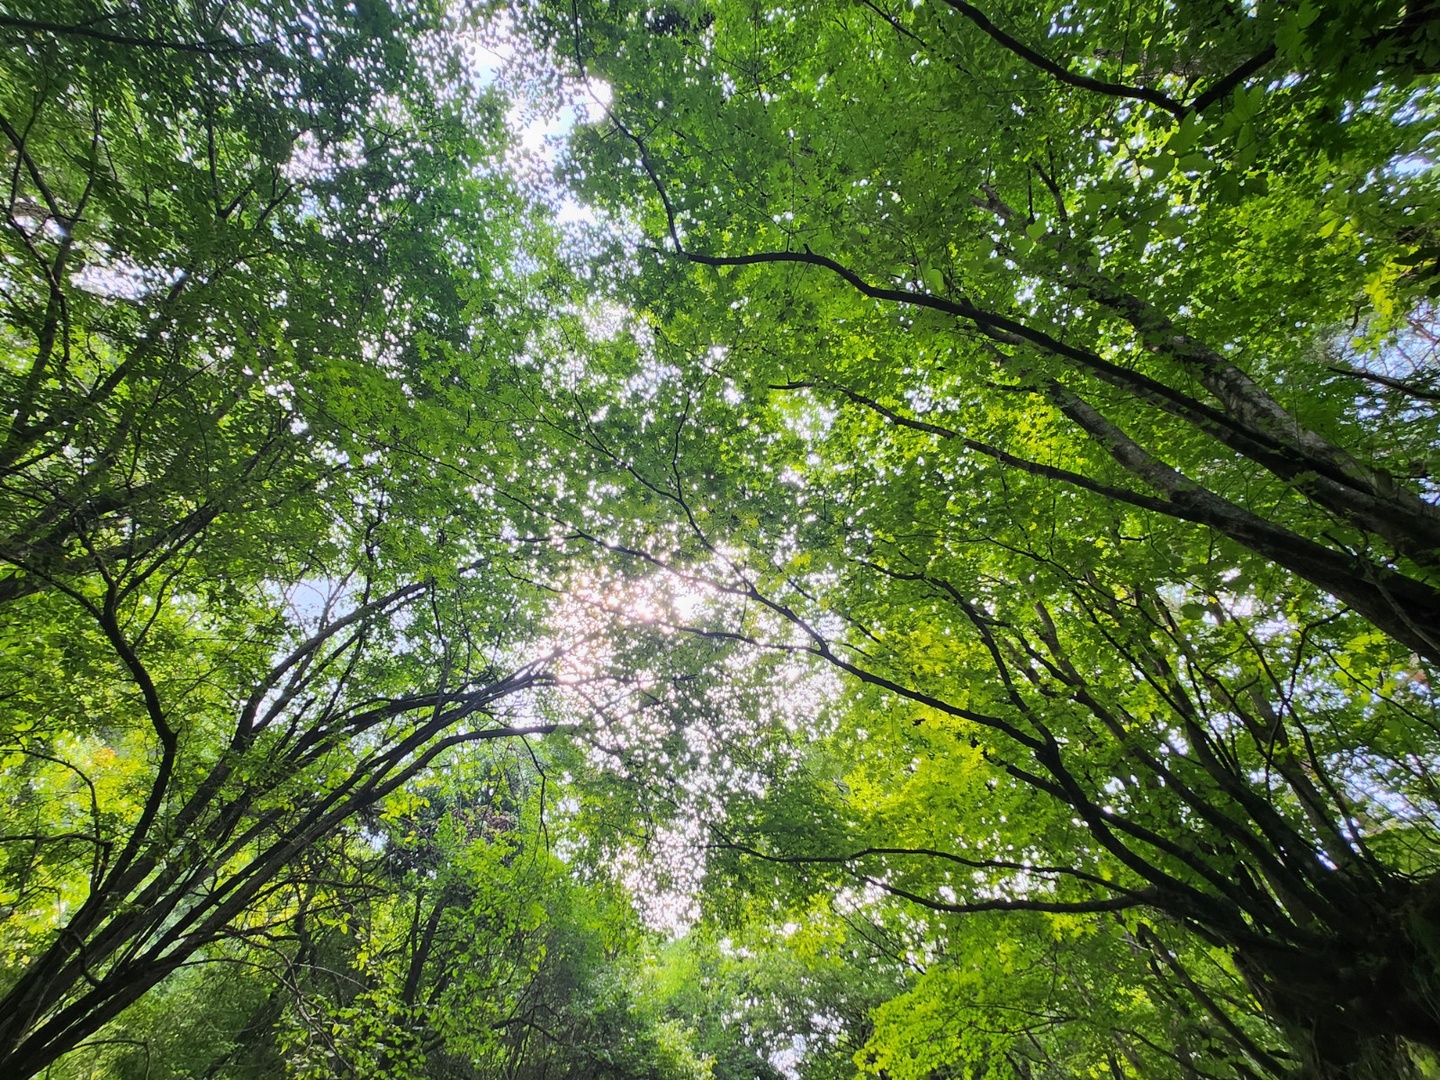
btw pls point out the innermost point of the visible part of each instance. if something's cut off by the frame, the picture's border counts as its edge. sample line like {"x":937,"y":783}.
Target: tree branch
{"x":213,"y":47}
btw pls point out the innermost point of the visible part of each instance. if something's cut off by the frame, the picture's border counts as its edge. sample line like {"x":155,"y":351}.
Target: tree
{"x":1044,"y":386}
{"x":252,"y":256}
{"x":420,"y":955}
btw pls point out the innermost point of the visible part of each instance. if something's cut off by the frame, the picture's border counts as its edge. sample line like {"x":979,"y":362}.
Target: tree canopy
{"x":902,"y":542}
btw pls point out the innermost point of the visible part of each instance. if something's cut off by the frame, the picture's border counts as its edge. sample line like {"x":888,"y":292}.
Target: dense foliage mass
{"x":905,"y":545}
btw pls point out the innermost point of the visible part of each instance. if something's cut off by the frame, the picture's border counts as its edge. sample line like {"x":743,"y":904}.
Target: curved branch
{"x":1129,"y":898}
{"x":927,"y":853}
{"x":1060,"y":73}
{"x":213,"y":47}
{"x":1229,"y":82}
